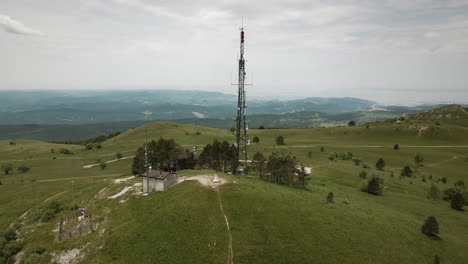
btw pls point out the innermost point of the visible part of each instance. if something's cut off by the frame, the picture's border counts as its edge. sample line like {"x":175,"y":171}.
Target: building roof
{"x":158,"y":175}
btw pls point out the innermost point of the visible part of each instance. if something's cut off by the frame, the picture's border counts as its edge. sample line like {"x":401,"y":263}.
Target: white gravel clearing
{"x":205,"y":180}
{"x":124,"y":179}
{"x":69,"y":257}
{"x":122,"y":192}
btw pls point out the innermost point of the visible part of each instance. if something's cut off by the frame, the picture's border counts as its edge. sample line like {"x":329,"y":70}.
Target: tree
{"x":259,"y":163}
{"x":103,"y":165}
{"x":330,"y":198}
{"x":380,"y":164}
{"x":7,"y":168}
{"x":232,"y":129}
{"x":138,"y":166}
{"x":431,"y":227}
{"x":322,"y":149}
{"x":98,"y":146}
{"x":89,"y":146}
{"x":433,"y":192}
{"x":357,"y":161}
{"x":396,"y":147}
{"x":261,"y":127}
{"x":23,"y":168}
{"x":407,"y":172}
{"x":374,"y":187}
{"x":332,"y":156}
{"x":436,"y":259}
{"x":444,"y":180}
{"x":457,"y":201}
{"x":418,"y":159}
{"x":279,"y":140}
{"x":309,"y":154}
{"x":256,"y":139}
{"x":351,"y":123}
{"x":281,"y":168}
{"x":460,"y":184}
{"x":119,"y":155}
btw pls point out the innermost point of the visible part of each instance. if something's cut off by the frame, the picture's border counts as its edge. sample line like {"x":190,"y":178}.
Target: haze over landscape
{"x":392,"y":52}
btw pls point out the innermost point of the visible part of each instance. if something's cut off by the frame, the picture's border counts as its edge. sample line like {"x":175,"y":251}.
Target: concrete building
{"x":158,"y":181}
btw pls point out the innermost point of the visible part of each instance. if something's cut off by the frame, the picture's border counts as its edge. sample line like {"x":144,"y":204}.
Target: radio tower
{"x":242,"y":140}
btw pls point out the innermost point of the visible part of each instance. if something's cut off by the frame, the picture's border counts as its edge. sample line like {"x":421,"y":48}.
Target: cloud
{"x":13,"y":26}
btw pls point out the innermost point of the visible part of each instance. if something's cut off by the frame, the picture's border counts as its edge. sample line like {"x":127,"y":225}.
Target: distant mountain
{"x":81,"y":107}
{"x":448,"y":114}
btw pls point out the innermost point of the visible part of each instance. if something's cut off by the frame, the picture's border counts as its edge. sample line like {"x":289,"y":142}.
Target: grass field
{"x":269,"y":223}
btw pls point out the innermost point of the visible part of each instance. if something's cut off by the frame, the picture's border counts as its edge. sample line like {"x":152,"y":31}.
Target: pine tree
{"x":374,"y":187}
{"x":457,"y":201}
{"x":380,"y":164}
{"x":430,"y":227}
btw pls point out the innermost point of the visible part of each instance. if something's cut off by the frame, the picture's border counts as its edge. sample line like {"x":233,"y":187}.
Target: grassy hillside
{"x":269,"y":223}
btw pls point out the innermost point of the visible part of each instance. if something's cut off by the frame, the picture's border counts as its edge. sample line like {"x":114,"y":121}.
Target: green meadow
{"x":269,"y":223}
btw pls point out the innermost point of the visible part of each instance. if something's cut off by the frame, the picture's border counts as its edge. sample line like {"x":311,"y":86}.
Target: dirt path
{"x":46,"y":200}
{"x":441,"y":162}
{"x":79,"y":178}
{"x":109,"y":161}
{"x":230,"y":255}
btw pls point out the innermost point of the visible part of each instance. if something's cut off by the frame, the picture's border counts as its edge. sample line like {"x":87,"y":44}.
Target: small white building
{"x":158,"y":181}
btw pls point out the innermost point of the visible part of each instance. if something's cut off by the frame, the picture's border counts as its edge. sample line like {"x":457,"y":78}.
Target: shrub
{"x":444,"y":180}
{"x":7,"y":168}
{"x":407,"y":172}
{"x":89,"y":146}
{"x":34,"y":258}
{"x":98,"y":146}
{"x":256,"y":139}
{"x":279,"y":140}
{"x":351,"y":123}
{"x":374,"y":187}
{"x":261,"y":127}
{"x":232,"y":129}
{"x":66,"y":151}
{"x":460,"y":184}
{"x":119,"y":155}
{"x":430,"y":227}
{"x":380,"y":164}
{"x":457,"y":201}
{"x":23,"y":168}
{"x":332,"y":156}
{"x":433,"y":192}
{"x":12,"y":248}
{"x":396,"y":147}
{"x":309,"y":155}
{"x":103,"y":165}
{"x":330,"y":198}
{"x":322,"y":149}
{"x":418,"y":159}
{"x":9,"y":235}
{"x":363,"y":174}
{"x":357,"y":161}
{"x":436,"y":259}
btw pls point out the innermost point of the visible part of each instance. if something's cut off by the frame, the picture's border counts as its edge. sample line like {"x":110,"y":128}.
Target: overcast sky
{"x":395,"y":51}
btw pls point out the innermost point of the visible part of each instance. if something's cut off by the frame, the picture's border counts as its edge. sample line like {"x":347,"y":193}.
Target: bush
{"x":407,"y":172}
{"x":430,"y":227}
{"x":66,"y":151}
{"x":457,"y":201}
{"x":9,"y":235}
{"x":351,"y":123}
{"x":7,"y":168}
{"x":261,"y":127}
{"x":396,"y":147}
{"x":119,"y":155}
{"x":322,"y":149}
{"x":47,"y":212}
{"x":444,"y":180}
{"x":103,"y":165}
{"x":256,"y":139}
{"x":23,"y":168}
{"x":374,"y":186}
{"x":34,"y":259}
{"x":363,"y":174}
{"x":433,"y":192}
{"x":330,"y":198}
{"x":357,"y":161}
{"x":279,"y":140}
{"x":460,"y":184}
{"x":418,"y":159}
{"x":380,"y":164}
{"x":436,"y":259}
{"x":332,"y":156}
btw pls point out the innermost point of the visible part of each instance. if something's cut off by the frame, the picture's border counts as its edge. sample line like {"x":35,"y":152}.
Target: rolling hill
{"x":269,"y":223}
